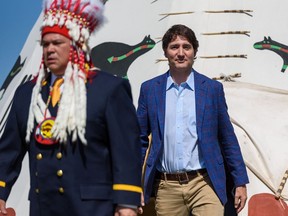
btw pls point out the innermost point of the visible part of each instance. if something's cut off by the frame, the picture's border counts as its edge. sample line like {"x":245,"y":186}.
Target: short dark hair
{"x":180,"y":30}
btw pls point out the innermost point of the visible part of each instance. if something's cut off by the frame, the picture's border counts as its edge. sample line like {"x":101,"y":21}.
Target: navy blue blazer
{"x":216,"y":138}
{"x":74,"y":179}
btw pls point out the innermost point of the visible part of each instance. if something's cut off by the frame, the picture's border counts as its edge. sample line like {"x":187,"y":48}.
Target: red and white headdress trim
{"x":75,"y":19}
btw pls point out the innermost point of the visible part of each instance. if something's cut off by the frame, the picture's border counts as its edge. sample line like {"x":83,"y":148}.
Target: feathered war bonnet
{"x":76,"y":20}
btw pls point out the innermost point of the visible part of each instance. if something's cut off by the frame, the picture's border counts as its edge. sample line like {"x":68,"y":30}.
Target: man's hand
{"x":3,"y":207}
{"x":240,"y":197}
{"x":140,"y":209}
{"x":124,"y":211}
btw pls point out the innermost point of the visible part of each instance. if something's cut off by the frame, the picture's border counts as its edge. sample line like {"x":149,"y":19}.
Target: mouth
{"x":180,"y":60}
{"x":51,"y":61}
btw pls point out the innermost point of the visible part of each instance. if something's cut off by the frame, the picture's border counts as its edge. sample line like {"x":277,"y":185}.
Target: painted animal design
{"x":280,"y":49}
{"x":116,"y":58}
{"x":14,"y":71}
{"x":3,"y":118}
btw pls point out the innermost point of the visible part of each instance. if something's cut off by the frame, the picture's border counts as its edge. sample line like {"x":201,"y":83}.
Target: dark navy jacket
{"x":74,"y":179}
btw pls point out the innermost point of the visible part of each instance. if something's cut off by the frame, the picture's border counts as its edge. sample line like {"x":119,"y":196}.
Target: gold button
{"x":39,"y":156}
{"x":59,"y":173}
{"x":61,"y":190}
{"x":59,"y":155}
{"x":37,"y":190}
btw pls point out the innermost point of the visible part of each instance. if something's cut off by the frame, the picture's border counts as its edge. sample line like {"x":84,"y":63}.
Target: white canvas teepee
{"x":239,"y":37}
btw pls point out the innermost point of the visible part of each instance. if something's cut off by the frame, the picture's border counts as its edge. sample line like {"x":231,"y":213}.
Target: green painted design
{"x":256,"y":46}
{"x":110,"y":59}
{"x":137,"y":49}
{"x":275,"y":47}
{"x":119,"y":58}
{"x":13,"y":72}
{"x":278,"y":48}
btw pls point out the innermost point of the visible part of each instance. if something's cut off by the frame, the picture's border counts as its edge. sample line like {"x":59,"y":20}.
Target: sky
{"x":17,"y":19}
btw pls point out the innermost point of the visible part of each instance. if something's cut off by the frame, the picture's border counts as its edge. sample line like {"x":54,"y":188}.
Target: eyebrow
{"x":51,"y":41}
{"x":177,"y":44}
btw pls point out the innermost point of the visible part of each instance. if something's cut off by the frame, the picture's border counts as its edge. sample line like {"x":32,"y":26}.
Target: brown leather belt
{"x":181,"y":177}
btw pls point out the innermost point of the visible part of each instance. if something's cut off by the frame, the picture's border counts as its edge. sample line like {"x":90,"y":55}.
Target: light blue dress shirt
{"x":53,"y":78}
{"x":181,"y":151}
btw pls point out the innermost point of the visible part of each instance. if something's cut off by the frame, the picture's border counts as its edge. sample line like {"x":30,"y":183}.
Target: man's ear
{"x":195,"y":54}
{"x":165,"y":53}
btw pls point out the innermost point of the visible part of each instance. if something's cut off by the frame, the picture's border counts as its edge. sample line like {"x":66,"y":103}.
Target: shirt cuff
{"x":128,"y":206}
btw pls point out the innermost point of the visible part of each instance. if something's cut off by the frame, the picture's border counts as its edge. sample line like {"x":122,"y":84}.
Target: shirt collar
{"x":190,"y":81}
{"x":53,"y":78}
{"x":188,"y":84}
{"x":170,"y":83}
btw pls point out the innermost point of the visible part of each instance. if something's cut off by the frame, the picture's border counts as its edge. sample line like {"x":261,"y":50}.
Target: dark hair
{"x":180,"y":30}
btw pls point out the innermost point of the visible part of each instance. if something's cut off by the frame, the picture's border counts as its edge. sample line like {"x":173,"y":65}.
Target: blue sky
{"x":17,"y":19}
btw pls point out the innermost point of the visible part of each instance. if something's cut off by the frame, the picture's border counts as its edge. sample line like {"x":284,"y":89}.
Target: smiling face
{"x":180,"y":54}
{"x":56,"y":50}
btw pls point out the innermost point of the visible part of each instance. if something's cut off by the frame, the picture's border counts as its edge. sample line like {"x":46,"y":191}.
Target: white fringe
{"x":69,"y":120}
{"x":81,"y":106}
{"x":33,"y":104}
{"x":72,"y":110}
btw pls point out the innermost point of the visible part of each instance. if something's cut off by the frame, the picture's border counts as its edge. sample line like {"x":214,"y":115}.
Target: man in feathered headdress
{"x":77,"y":123}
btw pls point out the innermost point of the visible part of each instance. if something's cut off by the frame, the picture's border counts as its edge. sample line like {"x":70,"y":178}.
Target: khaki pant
{"x":197,"y":198}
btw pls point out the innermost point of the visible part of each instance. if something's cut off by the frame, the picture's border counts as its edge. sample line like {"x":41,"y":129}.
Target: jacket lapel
{"x":200,"y":99}
{"x":160,"y":96}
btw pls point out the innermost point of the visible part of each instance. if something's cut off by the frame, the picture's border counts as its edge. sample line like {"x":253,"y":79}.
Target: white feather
{"x":62,"y":20}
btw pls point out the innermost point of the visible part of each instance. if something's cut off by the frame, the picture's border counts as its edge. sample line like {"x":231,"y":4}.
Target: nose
{"x":50,"y":48}
{"x":180,"y":51}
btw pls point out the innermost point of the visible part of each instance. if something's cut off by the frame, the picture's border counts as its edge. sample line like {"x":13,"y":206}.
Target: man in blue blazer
{"x":84,"y":147}
{"x":192,"y":136}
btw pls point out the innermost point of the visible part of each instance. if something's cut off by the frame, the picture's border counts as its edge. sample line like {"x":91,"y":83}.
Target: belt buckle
{"x":185,"y":180}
